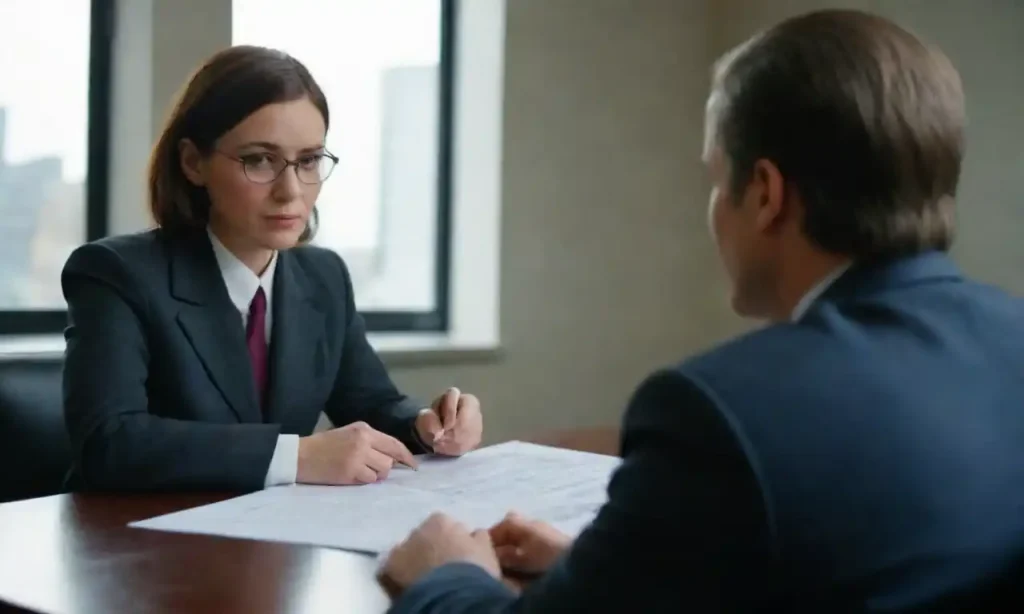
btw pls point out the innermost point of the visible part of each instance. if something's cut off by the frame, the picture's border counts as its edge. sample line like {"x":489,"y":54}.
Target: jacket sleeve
{"x":118,"y":443}
{"x":683,"y":530}
{"x":363,"y":390}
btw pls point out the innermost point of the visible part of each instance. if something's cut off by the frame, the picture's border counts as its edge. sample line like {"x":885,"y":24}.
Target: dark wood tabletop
{"x":75,"y":554}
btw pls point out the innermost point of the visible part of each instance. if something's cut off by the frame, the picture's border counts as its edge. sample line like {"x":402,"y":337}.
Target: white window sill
{"x":31,"y":346}
{"x":406,"y":349}
{"x":395,"y":349}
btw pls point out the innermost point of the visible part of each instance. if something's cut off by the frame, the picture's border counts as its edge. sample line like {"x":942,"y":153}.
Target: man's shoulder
{"x":779,"y":366}
{"x":783,"y":342}
{"x":715,"y":378}
{"x":705,"y":373}
{"x":859,"y":345}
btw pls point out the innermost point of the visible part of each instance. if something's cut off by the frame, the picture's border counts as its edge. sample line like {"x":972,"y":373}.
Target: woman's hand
{"x":453,"y":424}
{"x":353,"y":454}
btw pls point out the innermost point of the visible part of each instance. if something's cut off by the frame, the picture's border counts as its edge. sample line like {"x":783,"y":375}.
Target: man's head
{"x":832,"y":136}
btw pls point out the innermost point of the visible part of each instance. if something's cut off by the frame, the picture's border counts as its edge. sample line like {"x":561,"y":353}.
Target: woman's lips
{"x":283,"y":221}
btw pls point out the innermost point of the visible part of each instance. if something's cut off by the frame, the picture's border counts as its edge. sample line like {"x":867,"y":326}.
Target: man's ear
{"x":770,"y":189}
{"x":192,"y":162}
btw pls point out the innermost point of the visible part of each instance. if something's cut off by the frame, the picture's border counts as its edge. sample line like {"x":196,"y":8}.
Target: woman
{"x":201,"y":353}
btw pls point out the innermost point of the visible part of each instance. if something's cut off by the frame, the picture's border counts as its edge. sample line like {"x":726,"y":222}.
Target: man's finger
{"x":482,"y":537}
{"x":393,"y":448}
{"x":448,"y":408}
{"x":392,"y":569}
{"x":510,"y":530}
{"x":510,"y":557}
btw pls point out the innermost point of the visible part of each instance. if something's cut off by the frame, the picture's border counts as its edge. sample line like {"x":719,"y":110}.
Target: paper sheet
{"x":562,"y":487}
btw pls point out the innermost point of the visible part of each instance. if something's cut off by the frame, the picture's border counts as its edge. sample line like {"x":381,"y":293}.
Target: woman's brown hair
{"x":226,"y":89}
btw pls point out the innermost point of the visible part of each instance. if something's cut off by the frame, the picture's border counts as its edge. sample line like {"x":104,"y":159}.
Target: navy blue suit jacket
{"x":158,"y":388}
{"x":869,"y":458}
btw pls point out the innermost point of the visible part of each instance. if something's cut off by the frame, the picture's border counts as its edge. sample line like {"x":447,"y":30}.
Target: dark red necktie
{"x":256,"y":339}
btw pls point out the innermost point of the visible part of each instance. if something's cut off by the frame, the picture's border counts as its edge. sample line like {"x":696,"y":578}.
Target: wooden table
{"x":75,"y":554}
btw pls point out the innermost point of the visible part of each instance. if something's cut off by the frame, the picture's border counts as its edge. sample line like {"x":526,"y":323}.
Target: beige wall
{"x":606,"y":266}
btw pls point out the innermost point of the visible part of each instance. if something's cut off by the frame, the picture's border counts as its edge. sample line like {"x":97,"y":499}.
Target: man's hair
{"x":226,"y":89}
{"x":864,"y":120}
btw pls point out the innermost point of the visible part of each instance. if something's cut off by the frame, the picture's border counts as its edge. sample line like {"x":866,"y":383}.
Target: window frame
{"x":97,"y":198}
{"x":437,"y":320}
{"x":98,"y":150}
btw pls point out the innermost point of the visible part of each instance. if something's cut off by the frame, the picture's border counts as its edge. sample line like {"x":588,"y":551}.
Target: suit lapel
{"x":212,"y":324}
{"x":297,"y":347}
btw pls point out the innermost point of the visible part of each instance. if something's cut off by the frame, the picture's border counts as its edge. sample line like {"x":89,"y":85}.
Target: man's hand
{"x":453,"y":424}
{"x":527,"y":546}
{"x":353,"y":454}
{"x":438,"y":541}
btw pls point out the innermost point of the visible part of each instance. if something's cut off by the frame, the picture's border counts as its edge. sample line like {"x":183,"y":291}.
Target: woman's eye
{"x":258,"y":160}
{"x":310,"y":162}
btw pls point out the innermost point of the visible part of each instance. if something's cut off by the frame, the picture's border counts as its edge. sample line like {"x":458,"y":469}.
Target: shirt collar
{"x":817,"y":290}
{"x":239,"y":279}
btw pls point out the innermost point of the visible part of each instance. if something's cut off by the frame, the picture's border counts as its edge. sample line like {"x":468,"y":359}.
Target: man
{"x":864,"y":451}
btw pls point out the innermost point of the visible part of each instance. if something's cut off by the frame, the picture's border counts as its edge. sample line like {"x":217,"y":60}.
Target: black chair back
{"x":35,"y":453}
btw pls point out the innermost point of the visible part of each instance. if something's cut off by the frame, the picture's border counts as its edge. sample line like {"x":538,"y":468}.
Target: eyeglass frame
{"x":287,"y":163}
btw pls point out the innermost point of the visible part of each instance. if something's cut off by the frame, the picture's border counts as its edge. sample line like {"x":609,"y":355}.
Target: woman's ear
{"x":192,"y":162}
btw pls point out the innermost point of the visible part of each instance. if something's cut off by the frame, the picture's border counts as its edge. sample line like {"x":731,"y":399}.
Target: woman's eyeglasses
{"x":265,"y":167}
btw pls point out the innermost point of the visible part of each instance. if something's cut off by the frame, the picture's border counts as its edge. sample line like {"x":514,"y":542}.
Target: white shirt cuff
{"x":285,"y":462}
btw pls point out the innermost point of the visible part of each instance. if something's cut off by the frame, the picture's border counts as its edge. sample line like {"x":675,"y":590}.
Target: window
{"x":54,"y":120}
{"x":386,"y":69}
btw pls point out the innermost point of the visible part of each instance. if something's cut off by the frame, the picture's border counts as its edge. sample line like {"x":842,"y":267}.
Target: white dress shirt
{"x":816,"y":291}
{"x":242,"y":285}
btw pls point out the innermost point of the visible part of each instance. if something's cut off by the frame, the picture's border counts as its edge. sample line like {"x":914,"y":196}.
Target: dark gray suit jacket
{"x":158,"y":388}
{"x":869,"y":458}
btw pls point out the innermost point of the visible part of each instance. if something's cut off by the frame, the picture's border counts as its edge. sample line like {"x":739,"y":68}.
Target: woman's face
{"x":258,"y":203}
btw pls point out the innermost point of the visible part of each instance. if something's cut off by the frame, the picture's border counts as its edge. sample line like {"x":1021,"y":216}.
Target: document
{"x":562,"y":487}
